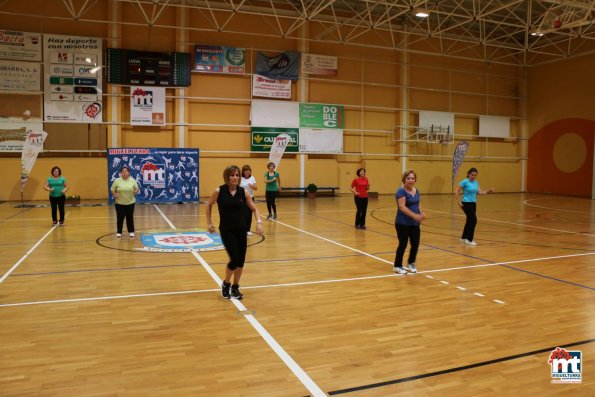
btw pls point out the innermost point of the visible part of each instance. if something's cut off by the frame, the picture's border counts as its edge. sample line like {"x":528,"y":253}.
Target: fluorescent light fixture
{"x":421,"y":13}
{"x":536,"y":33}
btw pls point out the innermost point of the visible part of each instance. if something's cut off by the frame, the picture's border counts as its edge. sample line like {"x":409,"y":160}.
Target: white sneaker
{"x":118,"y":235}
{"x":470,"y":242}
{"x":131,"y":235}
{"x":399,"y":270}
{"x":411,"y":267}
{"x":249,"y":234}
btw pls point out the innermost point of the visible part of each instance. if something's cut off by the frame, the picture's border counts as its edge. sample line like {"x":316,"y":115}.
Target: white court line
{"x":334,"y":242}
{"x":444,"y":282}
{"x":478,"y":294}
{"x":462,"y":288}
{"x":289,"y":284}
{"x":517,"y":224}
{"x":526,"y":202}
{"x":498,"y":301}
{"x":268,"y":338}
{"x":14,"y":267}
{"x":438,"y":270}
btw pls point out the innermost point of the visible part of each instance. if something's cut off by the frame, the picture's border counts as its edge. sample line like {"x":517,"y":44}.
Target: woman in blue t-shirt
{"x":409,"y":216}
{"x":470,"y":189}
{"x":57,"y":186}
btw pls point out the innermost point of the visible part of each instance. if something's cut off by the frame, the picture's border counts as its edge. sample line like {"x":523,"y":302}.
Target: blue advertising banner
{"x":285,"y":66}
{"x":219,"y":59}
{"x":163,"y":175}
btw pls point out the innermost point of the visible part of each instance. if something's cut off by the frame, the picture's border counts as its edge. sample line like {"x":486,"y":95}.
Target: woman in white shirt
{"x":248,"y":182}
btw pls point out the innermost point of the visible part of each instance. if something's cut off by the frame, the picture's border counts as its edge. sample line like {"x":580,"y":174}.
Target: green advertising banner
{"x":263,"y":138}
{"x":314,"y":115}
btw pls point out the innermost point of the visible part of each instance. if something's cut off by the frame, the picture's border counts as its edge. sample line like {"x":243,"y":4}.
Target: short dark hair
{"x":271,"y":163}
{"x":125,"y":167}
{"x":56,"y":168}
{"x":246,"y":168}
{"x":359,"y":170}
{"x":407,"y":173}
{"x":472,"y":169}
{"x":227,"y":172}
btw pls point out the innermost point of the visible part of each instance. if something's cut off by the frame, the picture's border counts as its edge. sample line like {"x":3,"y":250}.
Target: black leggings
{"x":469,"y":230}
{"x":125,"y":211}
{"x":57,"y":203}
{"x":407,"y":233}
{"x":235,"y":243}
{"x":271,"y":196}
{"x":361,"y":204}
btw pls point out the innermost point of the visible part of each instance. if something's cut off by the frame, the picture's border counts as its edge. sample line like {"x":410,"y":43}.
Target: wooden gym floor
{"x":83,"y":314}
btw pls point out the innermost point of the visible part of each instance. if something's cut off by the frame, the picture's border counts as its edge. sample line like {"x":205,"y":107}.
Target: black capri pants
{"x":235,"y":243}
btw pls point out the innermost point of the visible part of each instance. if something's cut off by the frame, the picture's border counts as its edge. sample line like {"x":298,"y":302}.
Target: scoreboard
{"x":162,"y":69}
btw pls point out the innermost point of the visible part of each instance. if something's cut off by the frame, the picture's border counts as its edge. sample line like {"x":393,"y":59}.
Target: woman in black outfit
{"x":231,"y":199}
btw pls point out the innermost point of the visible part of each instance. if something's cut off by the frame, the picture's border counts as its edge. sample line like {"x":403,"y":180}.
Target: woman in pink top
{"x":360,"y":187}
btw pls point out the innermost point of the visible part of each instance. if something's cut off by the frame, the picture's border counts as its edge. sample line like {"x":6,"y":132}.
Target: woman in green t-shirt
{"x":124,"y":190}
{"x":57,"y":186}
{"x":273,"y":187}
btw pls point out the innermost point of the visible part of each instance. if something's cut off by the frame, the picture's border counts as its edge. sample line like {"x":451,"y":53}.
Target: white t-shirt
{"x":244,"y":183}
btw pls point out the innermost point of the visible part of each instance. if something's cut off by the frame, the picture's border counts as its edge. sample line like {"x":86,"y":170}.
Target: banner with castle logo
{"x":163,"y":175}
{"x":147,"y":105}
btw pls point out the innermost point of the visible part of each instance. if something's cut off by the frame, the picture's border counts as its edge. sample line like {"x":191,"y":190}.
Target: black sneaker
{"x":225,"y":290}
{"x":235,"y":292}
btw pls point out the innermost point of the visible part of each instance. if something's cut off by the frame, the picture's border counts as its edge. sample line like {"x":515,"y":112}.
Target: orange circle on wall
{"x":570,"y":152}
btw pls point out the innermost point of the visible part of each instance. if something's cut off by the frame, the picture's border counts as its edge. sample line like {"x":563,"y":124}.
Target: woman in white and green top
{"x":57,"y":187}
{"x":124,"y":190}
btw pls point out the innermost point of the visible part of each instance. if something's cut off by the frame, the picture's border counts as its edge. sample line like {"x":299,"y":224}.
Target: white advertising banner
{"x":147,"y":105}
{"x":329,"y":141}
{"x":13,"y":132}
{"x":21,"y":46}
{"x":269,"y":88}
{"x":284,"y":114}
{"x":20,"y":76}
{"x":73,"y":79}
{"x":33,"y":145}
{"x":319,"y":64}
{"x":278,"y":148}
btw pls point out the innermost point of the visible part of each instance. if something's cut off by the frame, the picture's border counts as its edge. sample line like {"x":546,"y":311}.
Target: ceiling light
{"x":421,"y":12}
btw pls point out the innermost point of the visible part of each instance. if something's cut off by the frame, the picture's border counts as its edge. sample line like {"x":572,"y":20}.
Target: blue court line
{"x":13,"y":215}
{"x":105,"y":269}
{"x":394,"y":237}
{"x":548,"y":277}
{"x":465,"y":255}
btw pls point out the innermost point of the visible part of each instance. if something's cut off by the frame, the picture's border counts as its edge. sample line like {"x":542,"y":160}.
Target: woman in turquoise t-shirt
{"x":57,"y":186}
{"x":273,"y":186}
{"x":470,"y":189}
